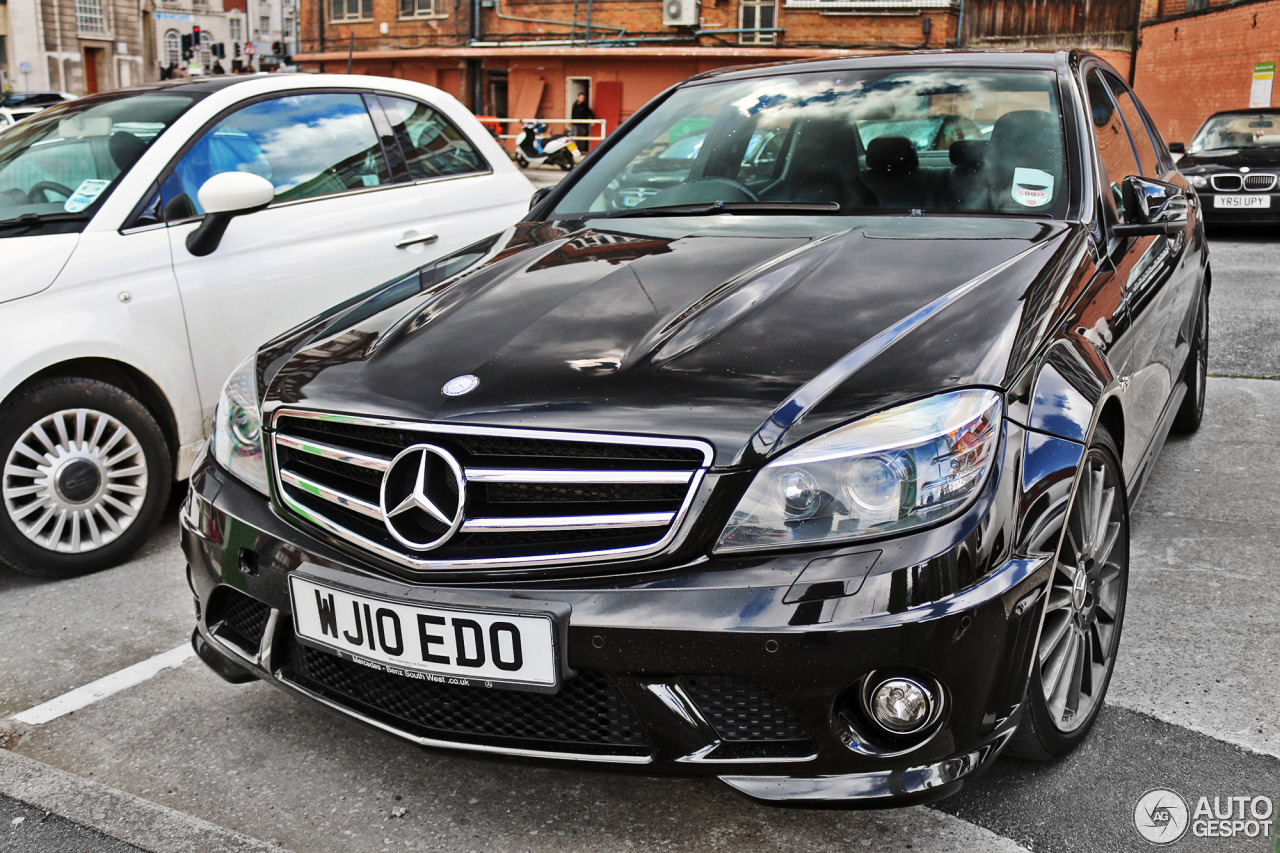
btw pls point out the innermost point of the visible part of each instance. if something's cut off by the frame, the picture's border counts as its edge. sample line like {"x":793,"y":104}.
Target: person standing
{"x":581,"y":112}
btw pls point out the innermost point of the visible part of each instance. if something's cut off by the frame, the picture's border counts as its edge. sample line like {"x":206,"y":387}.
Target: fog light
{"x":901,"y":705}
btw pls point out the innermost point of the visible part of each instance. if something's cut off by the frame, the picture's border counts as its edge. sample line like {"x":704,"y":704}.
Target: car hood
{"x":1232,"y":158}
{"x":752,"y":332}
{"x":32,"y":262}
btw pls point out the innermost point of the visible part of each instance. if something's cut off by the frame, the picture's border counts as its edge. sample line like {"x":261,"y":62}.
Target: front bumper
{"x":734,"y":669}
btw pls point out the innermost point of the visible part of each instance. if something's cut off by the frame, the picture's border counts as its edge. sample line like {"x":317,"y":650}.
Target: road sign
{"x":249,"y":49}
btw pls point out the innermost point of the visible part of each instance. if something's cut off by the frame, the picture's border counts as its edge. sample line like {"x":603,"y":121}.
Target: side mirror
{"x":1177,"y":148}
{"x":224,"y":197}
{"x":1154,"y":207}
{"x":538,"y":196}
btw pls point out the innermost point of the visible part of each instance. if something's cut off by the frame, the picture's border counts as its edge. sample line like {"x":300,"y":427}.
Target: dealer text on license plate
{"x":1250,"y":201}
{"x":456,"y":646}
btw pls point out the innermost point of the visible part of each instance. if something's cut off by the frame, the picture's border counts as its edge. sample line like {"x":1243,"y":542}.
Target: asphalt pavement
{"x":170,"y":758}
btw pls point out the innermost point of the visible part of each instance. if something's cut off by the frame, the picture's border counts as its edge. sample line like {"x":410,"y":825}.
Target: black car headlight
{"x":894,"y":471}
{"x":237,"y":428}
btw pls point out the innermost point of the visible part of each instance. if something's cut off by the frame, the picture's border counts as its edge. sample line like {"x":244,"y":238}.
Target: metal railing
{"x":497,"y":125}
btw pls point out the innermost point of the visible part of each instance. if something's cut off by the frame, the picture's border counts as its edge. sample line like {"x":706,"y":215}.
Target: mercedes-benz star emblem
{"x":423,"y":495}
{"x":459,"y":385}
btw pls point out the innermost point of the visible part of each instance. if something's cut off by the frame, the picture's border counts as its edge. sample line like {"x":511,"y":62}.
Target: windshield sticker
{"x":369,"y":180}
{"x":86,"y":194}
{"x":1032,"y":187}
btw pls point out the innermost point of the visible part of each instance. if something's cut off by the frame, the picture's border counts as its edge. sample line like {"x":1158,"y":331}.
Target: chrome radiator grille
{"x":1259,"y":182}
{"x":524,"y":497}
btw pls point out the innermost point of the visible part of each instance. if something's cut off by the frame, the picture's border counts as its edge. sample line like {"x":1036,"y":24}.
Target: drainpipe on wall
{"x":960,"y":26}
{"x":1137,"y":31}
{"x":587,"y":39}
{"x":319,"y":28}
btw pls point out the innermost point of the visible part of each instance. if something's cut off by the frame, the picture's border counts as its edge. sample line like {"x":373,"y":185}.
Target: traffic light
{"x":236,"y":45}
{"x":276,"y":48}
{"x":186,"y":46}
{"x":219,"y":50}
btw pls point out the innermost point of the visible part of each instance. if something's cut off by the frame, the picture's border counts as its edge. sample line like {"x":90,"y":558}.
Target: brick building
{"x":1197,"y":57}
{"x":526,"y":58}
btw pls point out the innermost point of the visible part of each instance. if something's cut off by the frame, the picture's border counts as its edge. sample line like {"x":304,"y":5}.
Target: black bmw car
{"x":815,"y":479}
{"x":1233,"y":162}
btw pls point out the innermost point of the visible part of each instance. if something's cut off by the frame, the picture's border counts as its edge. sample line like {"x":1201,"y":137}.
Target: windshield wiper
{"x":27,"y":221}
{"x":728,"y":207}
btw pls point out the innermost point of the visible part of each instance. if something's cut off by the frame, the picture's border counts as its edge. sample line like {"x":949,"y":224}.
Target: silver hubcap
{"x":1077,"y":647}
{"x":75,"y":481}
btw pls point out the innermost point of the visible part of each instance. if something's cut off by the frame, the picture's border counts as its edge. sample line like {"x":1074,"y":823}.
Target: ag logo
{"x":1161,"y":816}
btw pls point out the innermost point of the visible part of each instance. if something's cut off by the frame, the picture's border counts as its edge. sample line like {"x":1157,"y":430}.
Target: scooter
{"x":532,"y":148}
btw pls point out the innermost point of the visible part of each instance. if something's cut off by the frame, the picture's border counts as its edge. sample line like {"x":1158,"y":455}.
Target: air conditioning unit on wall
{"x":679,"y":13}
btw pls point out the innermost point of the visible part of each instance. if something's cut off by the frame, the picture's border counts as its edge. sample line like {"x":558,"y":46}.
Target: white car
{"x":153,"y":237}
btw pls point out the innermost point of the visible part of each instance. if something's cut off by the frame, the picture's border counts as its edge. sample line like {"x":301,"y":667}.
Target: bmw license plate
{"x":463,"y":646}
{"x":1248,"y":201}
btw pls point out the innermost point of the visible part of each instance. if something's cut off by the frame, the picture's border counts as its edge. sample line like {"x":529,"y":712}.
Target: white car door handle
{"x":421,"y":238}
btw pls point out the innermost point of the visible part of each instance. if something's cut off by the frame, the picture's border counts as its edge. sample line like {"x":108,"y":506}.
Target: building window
{"x":418,"y":9}
{"x":89,"y":17}
{"x":206,"y":57}
{"x":172,"y":48}
{"x":757,"y":15}
{"x":234,"y":25}
{"x":351,"y":10}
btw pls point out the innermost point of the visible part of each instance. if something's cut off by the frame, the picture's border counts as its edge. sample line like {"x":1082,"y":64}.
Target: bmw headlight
{"x":899,"y":469}
{"x":1198,"y":181}
{"x":237,"y":428}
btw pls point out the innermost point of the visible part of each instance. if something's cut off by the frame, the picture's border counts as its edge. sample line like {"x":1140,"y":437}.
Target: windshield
{"x":1245,"y":130}
{"x":63,"y":161}
{"x":954,"y":140}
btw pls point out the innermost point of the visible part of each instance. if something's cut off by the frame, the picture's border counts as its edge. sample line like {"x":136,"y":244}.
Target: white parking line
{"x":109,"y":685}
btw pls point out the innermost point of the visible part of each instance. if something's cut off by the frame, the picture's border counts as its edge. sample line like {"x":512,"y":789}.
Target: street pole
{"x":351,"y":49}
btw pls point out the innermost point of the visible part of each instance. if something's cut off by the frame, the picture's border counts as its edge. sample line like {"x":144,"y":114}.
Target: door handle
{"x":421,"y":238}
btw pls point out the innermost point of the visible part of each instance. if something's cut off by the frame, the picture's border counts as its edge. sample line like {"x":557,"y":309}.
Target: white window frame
{"x":233,"y":27}
{"x":206,"y":54}
{"x":755,"y":37}
{"x":91,"y":17}
{"x":421,"y":9}
{"x":363,"y":10}
{"x":172,"y":48}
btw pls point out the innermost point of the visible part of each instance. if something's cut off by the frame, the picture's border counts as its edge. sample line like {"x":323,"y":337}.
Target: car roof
{"x":1043,"y":59}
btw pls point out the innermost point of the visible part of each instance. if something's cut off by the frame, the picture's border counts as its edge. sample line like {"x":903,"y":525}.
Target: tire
{"x":1195,"y":374}
{"x":1083,"y":618}
{"x":521,"y":161}
{"x":565,"y":160}
{"x":85,"y":479}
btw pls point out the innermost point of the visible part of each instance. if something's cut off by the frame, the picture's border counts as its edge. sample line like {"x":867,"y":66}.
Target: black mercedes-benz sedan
{"x":1233,"y":162}
{"x":815,"y":478}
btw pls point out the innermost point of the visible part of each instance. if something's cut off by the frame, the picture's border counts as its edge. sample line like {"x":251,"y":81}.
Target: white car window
{"x":432,"y":146}
{"x":306,"y":145}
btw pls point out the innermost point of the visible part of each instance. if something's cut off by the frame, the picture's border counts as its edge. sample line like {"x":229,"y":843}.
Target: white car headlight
{"x":1198,"y":181}
{"x":237,"y":428}
{"x":899,"y":469}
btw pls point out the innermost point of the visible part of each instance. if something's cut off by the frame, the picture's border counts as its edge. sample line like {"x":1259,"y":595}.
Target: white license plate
{"x":1250,"y":201}
{"x":451,"y":646}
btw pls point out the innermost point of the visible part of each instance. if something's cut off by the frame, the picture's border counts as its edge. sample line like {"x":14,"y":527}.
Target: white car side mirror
{"x":223,"y":197}
{"x":235,"y":192}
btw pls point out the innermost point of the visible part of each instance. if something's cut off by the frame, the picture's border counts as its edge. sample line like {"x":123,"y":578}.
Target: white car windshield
{"x":1243,"y":130}
{"x":837,"y":144}
{"x":64,"y":161}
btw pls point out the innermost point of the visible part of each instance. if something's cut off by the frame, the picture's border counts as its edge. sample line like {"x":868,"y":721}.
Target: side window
{"x":1114,"y":148}
{"x":305,"y":145}
{"x":432,"y":146}
{"x":1138,"y":131}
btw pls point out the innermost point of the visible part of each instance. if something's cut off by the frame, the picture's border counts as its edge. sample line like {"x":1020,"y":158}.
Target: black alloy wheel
{"x":1195,"y":374}
{"x":1080,"y":632}
{"x":85,"y":479}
